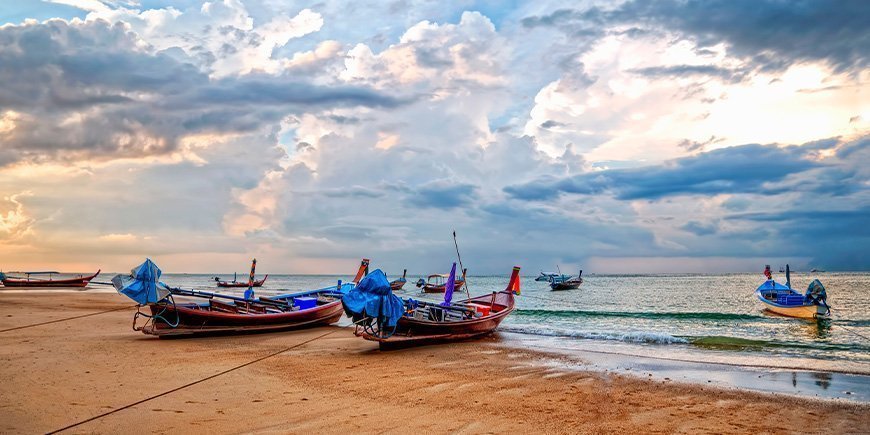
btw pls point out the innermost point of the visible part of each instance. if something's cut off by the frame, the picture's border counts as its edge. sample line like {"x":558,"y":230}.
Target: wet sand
{"x":58,"y":374}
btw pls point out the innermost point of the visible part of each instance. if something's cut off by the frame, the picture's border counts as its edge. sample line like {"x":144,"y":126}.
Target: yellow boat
{"x":783,"y":300}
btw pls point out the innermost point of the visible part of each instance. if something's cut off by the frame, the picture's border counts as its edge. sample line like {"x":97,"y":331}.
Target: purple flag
{"x":450,"y":286}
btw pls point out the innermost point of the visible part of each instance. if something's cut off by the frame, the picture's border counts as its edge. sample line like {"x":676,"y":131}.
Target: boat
{"x":251,"y":282}
{"x":29,"y":280}
{"x":437,"y":283}
{"x":549,"y":276}
{"x":241,"y":284}
{"x":214,"y":313}
{"x":399,"y":283}
{"x":383,"y":317}
{"x":566,"y":284}
{"x":785,"y":301}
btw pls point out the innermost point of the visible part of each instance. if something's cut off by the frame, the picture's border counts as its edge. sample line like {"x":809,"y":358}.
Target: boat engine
{"x":817,"y":295}
{"x":420,"y":282}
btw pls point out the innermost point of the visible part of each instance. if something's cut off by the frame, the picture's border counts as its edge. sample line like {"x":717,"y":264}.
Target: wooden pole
{"x":455,"y":243}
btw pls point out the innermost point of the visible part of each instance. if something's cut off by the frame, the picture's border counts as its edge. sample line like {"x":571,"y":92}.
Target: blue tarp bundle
{"x":373,"y":298}
{"x":143,"y":284}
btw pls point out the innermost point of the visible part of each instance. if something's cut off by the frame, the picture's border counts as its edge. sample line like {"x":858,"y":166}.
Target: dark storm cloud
{"x":442,"y":194}
{"x":740,"y":169}
{"x":773,"y":34}
{"x":91,"y":90}
{"x":835,"y":239}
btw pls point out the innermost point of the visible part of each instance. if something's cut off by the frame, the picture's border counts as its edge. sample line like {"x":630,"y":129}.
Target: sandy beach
{"x":325,"y":380}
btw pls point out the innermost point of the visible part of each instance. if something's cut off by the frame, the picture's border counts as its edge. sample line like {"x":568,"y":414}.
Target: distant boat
{"x":783,"y":300}
{"x":29,"y":280}
{"x":816,"y":270}
{"x":251,"y":282}
{"x":566,"y":284}
{"x":437,"y":283}
{"x":399,"y":283}
{"x":549,"y":276}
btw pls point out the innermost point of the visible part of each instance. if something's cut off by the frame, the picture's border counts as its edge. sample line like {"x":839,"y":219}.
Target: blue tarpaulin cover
{"x":143,"y":284}
{"x":372,"y":297}
{"x":773,"y":285}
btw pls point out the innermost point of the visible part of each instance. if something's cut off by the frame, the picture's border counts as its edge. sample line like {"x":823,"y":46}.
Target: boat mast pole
{"x":455,"y":243}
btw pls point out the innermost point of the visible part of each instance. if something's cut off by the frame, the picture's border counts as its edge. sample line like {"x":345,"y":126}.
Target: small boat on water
{"x":31,"y":279}
{"x":566,"y":284}
{"x":783,"y":300}
{"x":437,"y":283}
{"x":399,"y":283}
{"x":393,"y":322}
{"x":549,"y":276}
{"x":251,"y":282}
{"x":227,"y":314}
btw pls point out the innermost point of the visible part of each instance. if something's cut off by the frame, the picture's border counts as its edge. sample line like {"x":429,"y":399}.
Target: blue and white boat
{"x":783,"y":300}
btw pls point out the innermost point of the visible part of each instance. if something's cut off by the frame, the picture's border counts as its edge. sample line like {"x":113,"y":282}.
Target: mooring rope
{"x":68,"y":318}
{"x":190,"y":384}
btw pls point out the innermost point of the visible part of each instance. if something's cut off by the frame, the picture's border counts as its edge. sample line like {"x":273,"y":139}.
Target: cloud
{"x":771,"y":34}
{"x":443,"y":195}
{"x":739,"y":169}
{"x":700,"y":228}
{"x":94,"y":90}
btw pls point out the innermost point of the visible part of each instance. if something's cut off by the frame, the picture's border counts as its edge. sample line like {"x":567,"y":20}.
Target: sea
{"x":668,"y":318}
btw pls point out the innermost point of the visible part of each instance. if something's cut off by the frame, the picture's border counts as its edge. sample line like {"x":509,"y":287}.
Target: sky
{"x":613,"y":137}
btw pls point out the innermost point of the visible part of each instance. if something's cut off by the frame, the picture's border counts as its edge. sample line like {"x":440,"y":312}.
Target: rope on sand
{"x":194,"y":382}
{"x":68,"y":318}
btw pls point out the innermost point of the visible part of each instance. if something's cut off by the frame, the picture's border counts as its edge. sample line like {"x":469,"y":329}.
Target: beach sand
{"x":58,"y":374}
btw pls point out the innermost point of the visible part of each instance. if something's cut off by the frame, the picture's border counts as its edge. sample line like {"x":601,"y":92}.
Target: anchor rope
{"x":199,"y":381}
{"x":68,"y":318}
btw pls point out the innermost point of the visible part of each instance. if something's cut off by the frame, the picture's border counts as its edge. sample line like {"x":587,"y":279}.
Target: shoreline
{"x":730,"y":376}
{"x":68,"y":371}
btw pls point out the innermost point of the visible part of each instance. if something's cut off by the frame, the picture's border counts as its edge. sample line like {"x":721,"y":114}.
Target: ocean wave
{"x":628,"y":337}
{"x":737,"y":343}
{"x":638,"y":314}
{"x":712,"y":342}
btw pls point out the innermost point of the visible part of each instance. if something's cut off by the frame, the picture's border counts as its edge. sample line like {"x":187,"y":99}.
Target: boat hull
{"x":196,"y":321}
{"x":413,"y":332}
{"x":441,"y":288}
{"x":72,"y":282}
{"x":397,"y":285}
{"x":801,"y":312}
{"x":568,"y":285}
{"x":240,"y":284}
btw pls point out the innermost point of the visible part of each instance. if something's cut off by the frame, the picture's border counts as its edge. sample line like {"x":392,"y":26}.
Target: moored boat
{"x":227,"y":314}
{"x":566,"y":283}
{"x":29,"y":280}
{"x":385,"y":318}
{"x":549,"y":276}
{"x":251,"y":282}
{"x":399,"y":283}
{"x":783,"y":300}
{"x":437,"y":283}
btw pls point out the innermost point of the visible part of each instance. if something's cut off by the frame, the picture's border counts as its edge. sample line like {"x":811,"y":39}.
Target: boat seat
{"x":223,"y":307}
{"x":251,"y":307}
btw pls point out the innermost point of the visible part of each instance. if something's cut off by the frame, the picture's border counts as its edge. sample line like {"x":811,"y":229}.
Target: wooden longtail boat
{"x":437,"y":283}
{"x":30,"y":281}
{"x":226,"y":314}
{"x":566,"y":284}
{"x":462,"y":320}
{"x":399,"y":283}
{"x":239,"y":284}
{"x":251,"y":282}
